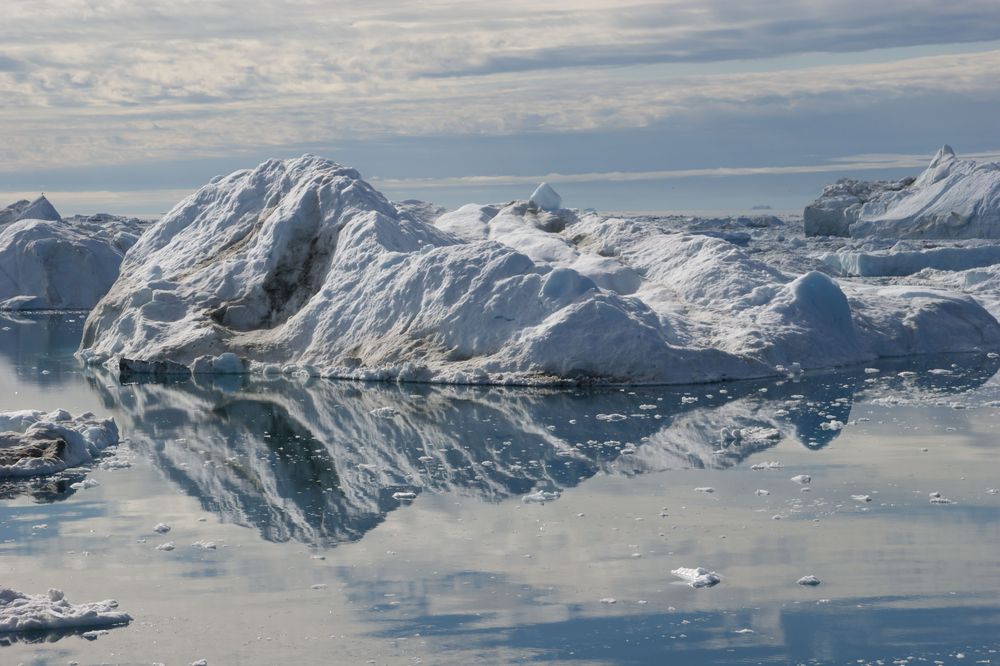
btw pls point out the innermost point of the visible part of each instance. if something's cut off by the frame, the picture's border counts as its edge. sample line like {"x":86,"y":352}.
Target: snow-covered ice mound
{"x":39,"y":209}
{"x":50,"y":263}
{"x":27,"y":613}
{"x":952,"y":198}
{"x":37,"y":444}
{"x":300,"y":265}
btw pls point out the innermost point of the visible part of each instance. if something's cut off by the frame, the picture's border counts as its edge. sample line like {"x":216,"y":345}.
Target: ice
{"x":50,"y":263}
{"x":546,"y":198}
{"x":540,"y":497}
{"x":300,"y":265}
{"x":161,"y":528}
{"x":802,"y":479}
{"x":21,"y":612}
{"x":952,"y":198}
{"x":809,"y":580}
{"x":697,"y":577}
{"x":37,"y":444}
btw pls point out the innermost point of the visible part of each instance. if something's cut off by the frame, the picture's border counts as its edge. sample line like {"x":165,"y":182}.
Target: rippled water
{"x":317,"y":562}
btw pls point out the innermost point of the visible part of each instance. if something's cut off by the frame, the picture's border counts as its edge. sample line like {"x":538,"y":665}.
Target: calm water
{"x":316,"y":562}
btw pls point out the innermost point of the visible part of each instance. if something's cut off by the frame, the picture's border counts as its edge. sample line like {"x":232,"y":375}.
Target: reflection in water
{"x":314,"y":462}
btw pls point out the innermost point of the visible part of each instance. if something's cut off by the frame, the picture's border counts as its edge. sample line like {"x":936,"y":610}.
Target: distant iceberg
{"x":952,"y":198}
{"x":300,"y":266}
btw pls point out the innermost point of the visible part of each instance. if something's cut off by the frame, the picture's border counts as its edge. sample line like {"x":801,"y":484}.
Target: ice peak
{"x":546,"y":198}
{"x":40,"y":209}
{"x":944,"y":154}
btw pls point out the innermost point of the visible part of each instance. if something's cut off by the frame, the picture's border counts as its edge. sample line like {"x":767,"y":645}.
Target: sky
{"x":624,"y":105}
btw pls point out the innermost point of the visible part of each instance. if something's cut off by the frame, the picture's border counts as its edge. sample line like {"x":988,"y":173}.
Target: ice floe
{"x":301,"y":267}
{"x":697,"y":577}
{"x":23,"y":613}
{"x":36,"y":444}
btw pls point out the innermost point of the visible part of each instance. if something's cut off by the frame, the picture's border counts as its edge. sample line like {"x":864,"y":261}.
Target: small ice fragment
{"x":934,"y":494}
{"x":832,"y":425}
{"x":384,"y":412}
{"x":941,"y":500}
{"x":204,"y":545}
{"x":404,"y":495}
{"x":705,"y":489}
{"x":802,"y":479}
{"x":760,"y":492}
{"x":540,"y":496}
{"x":319,"y":586}
{"x":200,"y":662}
{"x":774,"y":464}
{"x":697,"y":577}
{"x":161,"y":528}
{"x":808,"y":580}
{"x":168,"y":546}
{"x":611,"y":417}
{"x":861,"y":498}
{"x":743,"y":631}
{"x":608,"y":600}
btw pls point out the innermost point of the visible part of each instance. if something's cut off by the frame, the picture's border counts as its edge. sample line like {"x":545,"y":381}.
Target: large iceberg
{"x":952,"y":198}
{"x":301,"y":266}
{"x":50,"y":263}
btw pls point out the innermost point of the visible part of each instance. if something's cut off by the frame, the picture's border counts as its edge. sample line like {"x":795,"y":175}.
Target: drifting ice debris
{"x":384,"y":412}
{"x":317,"y":272}
{"x":404,"y":495}
{"x":774,"y":464}
{"x":35,"y":444}
{"x":51,"y":611}
{"x":861,"y":498}
{"x":540,"y":496}
{"x":760,"y":492}
{"x":802,"y":479}
{"x":697,"y":577}
{"x":161,"y":528}
{"x":808,"y":580}
{"x":546,"y":198}
{"x":704,"y":489}
{"x":168,"y":546}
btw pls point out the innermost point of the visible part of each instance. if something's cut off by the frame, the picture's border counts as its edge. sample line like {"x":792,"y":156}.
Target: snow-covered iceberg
{"x":36,"y":444}
{"x":301,"y":266}
{"x":50,"y":263}
{"x":952,"y":198}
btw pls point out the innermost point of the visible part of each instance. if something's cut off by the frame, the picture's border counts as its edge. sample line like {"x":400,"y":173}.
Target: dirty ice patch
{"x":37,"y":444}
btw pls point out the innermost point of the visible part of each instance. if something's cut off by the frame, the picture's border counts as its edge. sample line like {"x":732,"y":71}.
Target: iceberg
{"x":52,"y":612}
{"x":49,"y":263}
{"x":301,"y":267}
{"x":952,"y":198}
{"x":37,"y":444}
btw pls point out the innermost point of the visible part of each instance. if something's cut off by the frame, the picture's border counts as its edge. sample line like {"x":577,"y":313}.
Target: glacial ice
{"x":952,"y":198}
{"x":697,"y":577}
{"x":50,"y":263}
{"x":36,"y":444}
{"x":301,"y":267}
{"x":22,"y":613}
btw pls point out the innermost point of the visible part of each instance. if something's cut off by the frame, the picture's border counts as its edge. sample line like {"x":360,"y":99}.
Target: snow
{"x":50,"y":263}
{"x":301,"y":267}
{"x":21,"y":612}
{"x":952,"y":198}
{"x":36,"y":444}
{"x":697,"y":577}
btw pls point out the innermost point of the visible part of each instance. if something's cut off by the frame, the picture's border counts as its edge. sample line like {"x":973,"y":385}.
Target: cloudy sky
{"x":625,"y":105}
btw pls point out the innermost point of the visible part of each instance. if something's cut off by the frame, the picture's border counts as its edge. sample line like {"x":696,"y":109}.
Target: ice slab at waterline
{"x":293,"y":481}
{"x":37,"y":444}
{"x":301,"y":266}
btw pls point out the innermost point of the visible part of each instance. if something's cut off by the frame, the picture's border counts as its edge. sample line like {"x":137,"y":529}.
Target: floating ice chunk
{"x":611,"y":417}
{"x":697,"y":577}
{"x":808,"y":580}
{"x":546,"y":198}
{"x":760,"y":492}
{"x":609,"y":600}
{"x":774,"y":464}
{"x":832,"y":425}
{"x":384,"y":412}
{"x":83,"y":485}
{"x":38,"y":445}
{"x":205,"y":545}
{"x":404,"y":495}
{"x":167,"y":547}
{"x":51,"y":611}
{"x":802,"y":479}
{"x":940,"y":500}
{"x":705,"y":489}
{"x":743,"y":631}
{"x":226,"y":363}
{"x":161,"y":528}
{"x":540,"y":496}
{"x":861,"y":498}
